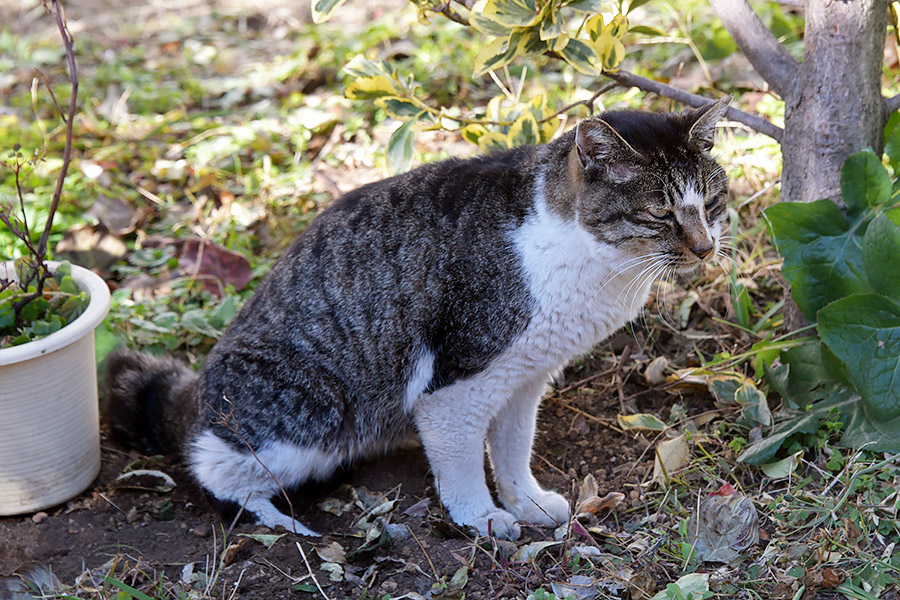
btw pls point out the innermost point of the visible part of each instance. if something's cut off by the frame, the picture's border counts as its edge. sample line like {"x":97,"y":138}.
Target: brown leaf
{"x":595,"y":504}
{"x":587,"y":489}
{"x":214,"y":265}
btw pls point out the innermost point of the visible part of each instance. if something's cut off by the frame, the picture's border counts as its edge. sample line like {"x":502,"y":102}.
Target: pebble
{"x":132,"y":515}
{"x":201,"y":531}
{"x":39,"y":517}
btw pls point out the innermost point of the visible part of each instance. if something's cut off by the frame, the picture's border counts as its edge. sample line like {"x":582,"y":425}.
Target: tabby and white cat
{"x":441,"y":302}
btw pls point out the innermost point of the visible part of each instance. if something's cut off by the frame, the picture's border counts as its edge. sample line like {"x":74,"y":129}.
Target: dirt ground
{"x":136,"y":535}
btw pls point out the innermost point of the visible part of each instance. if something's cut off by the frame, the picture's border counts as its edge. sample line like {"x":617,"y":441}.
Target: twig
{"x":425,"y":552}
{"x":892,"y":103}
{"x":73,"y":105}
{"x":667,"y":91}
{"x":311,"y":574}
{"x":758,"y":44}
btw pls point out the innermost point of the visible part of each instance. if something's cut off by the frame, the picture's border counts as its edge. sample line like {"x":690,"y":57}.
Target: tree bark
{"x":836,"y":108}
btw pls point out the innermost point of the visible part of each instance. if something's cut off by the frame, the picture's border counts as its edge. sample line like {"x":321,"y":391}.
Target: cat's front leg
{"x":452,"y":424}
{"x":510,"y":438}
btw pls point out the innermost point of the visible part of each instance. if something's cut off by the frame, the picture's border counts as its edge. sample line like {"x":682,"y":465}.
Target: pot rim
{"x":98,"y":307}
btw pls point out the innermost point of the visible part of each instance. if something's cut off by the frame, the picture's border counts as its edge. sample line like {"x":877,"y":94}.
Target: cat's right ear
{"x":601,"y":148}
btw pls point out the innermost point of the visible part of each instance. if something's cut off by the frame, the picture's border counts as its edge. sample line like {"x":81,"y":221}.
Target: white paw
{"x":541,"y":507}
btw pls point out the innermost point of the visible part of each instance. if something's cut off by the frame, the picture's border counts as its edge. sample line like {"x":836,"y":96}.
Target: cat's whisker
{"x":628,"y":265}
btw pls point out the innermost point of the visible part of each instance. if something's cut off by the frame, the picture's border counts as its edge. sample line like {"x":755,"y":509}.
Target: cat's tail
{"x":148,"y":402}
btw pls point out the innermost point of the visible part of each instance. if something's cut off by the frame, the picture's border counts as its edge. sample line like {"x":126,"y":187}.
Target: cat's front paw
{"x":498,"y":523}
{"x":542,"y":507}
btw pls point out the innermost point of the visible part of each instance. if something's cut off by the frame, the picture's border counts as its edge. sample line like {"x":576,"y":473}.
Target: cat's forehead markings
{"x":691,"y":196}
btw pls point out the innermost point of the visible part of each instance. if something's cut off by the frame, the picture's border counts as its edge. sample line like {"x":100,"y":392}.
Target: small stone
{"x":132,"y":515}
{"x":201,"y":531}
{"x":39,"y":517}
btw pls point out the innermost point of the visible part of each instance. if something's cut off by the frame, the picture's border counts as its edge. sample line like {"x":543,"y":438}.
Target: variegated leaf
{"x":581,"y":56}
{"x":525,"y":131}
{"x":367,"y":88}
{"x":513,"y":13}
{"x":323,"y":9}
{"x":398,"y":108}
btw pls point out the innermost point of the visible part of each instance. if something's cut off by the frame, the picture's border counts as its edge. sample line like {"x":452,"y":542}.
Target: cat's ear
{"x":703,"y":130}
{"x":599,"y":146}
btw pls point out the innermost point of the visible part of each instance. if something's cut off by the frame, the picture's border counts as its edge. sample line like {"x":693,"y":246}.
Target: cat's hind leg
{"x":252,"y":479}
{"x":452,"y":423}
{"x":510,"y":437}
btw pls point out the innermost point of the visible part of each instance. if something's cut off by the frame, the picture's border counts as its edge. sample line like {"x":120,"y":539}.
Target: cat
{"x":438,"y":302}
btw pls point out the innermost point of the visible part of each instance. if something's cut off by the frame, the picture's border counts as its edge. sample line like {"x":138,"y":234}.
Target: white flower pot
{"x":49,"y":423}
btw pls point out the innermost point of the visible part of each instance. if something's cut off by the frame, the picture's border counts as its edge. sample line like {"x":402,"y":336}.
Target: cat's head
{"x":647,"y":184}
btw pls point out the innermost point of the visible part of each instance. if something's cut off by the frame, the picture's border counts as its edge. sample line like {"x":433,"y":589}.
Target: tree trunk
{"x":834,"y":108}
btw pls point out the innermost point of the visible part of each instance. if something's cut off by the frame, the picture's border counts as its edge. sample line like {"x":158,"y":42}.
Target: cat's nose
{"x":703,"y":250}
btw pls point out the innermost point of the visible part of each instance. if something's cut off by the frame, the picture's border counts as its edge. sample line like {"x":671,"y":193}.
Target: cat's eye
{"x":659,"y":213}
{"x":712,"y":201}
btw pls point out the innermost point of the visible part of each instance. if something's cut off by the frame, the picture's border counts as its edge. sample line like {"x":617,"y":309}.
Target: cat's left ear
{"x":703,"y":131}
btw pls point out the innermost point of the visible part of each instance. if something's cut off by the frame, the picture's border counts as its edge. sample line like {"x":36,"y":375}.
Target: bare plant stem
{"x":35,"y":270}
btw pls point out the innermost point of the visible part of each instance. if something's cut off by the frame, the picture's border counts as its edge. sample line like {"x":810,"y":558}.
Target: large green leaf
{"x":863,"y":331}
{"x":864,"y":182}
{"x":822,"y":256}
{"x":877,"y":435}
{"x":880,"y":251}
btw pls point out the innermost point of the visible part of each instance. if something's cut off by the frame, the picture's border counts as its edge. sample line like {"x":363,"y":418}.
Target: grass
{"x":205,"y":127}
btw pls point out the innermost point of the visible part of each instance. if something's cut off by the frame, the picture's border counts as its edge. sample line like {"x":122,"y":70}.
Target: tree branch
{"x":667,"y":91}
{"x":892,"y":103}
{"x":761,"y":48}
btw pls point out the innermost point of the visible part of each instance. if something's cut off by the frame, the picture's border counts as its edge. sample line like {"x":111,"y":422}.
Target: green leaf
{"x":581,"y":56}
{"x":224,"y":313}
{"x":635,"y":4}
{"x":124,"y":587}
{"x":645,"y":30}
{"x":863,"y":331}
{"x":762,"y":451}
{"x":803,"y":377}
{"x":880,"y":251}
{"x":822,"y":257}
{"x":400,"y":147}
{"x":512,"y":13}
{"x":197,"y":320}
{"x":398,"y":108}
{"x":861,"y":431}
{"x":864,"y":182}
{"x":525,"y":131}
{"x":756,"y":409}
{"x":892,"y":140}
{"x":322,"y":10}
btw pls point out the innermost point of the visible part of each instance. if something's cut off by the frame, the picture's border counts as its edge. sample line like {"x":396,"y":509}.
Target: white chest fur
{"x":584,"y":290}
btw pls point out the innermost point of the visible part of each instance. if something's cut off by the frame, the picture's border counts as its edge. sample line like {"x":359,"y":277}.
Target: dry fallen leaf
{"x":595,"y":505}
{"x":214,"y":265}
{"x":671,"y":455}
{"x":724,"y":524}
